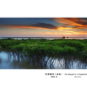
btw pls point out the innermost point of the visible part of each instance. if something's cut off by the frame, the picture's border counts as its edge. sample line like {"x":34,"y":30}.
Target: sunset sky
{"x":43,"y":27}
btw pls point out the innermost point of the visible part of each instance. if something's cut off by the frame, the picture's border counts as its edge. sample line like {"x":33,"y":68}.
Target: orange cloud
{"x":68,"y":21}
{"x":22,"y":27}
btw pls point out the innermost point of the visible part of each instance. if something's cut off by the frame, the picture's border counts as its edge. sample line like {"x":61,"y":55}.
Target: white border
{"x":41,"y":8}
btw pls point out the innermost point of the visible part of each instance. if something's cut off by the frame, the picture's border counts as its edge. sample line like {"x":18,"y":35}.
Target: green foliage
{"x":48,"y":47}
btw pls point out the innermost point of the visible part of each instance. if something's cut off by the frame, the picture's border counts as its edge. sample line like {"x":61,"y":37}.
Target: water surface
{"x":10,"y":60}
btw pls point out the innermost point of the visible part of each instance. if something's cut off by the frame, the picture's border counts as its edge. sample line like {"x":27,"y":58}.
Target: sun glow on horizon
{"x":67,"y":27}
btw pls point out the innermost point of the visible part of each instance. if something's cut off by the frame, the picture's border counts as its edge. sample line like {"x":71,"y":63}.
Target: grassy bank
{"x":46,"y":47}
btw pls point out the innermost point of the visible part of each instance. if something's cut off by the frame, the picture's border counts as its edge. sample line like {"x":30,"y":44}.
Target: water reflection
{"x":51,"y":63}
{"x":16,"y":60}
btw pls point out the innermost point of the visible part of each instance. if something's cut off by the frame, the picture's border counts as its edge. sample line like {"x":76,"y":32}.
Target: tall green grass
{"x":46,"y":47}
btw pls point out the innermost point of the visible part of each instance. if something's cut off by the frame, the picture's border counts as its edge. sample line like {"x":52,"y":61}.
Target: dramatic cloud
{"x":44,"y":27}
{"x":49,"y":26}
{"x":72,"y":22}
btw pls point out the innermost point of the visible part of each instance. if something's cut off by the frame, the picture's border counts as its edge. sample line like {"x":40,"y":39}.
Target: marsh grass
{"x":64,"y":47}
